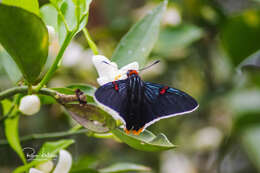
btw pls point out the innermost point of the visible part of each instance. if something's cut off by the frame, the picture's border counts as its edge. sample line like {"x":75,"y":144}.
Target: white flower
{"x":30,"y":104}
{"x":108,"y":71}
{"x":63,"y":165}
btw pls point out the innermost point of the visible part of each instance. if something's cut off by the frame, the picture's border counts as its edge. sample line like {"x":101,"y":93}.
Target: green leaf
{"x":240,"y":35}
{"x":29,"y":5}
{"x":49,"y":15}
{"x":251,"y":143}
{"x":11,"y":129}
{"x":25,"y":38}
{"x":146,"y":141}
{"x":137,"y":44}
{"x":176,"y":38}
{"x":47,"y":152}
{"x":10,"y":67}
{"x":87,"y":89}
{"x":75,"y":13}
{"x":252,"y":62}
{"x":86,"y":170}
{"x":124,"y":167}
{"x":91,"y":117}
{"x":83,"y":164}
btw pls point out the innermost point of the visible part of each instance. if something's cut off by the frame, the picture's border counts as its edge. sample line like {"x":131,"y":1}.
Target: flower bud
{"x":64,"y":163}
{"x":30,"y":104}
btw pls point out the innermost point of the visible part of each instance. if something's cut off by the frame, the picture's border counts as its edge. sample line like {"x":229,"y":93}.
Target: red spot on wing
{"x":163,"y":90}
{"x":115,"y":85}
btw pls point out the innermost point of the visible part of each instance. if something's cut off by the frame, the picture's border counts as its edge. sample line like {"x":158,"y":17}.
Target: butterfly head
{"x":131,"y":72}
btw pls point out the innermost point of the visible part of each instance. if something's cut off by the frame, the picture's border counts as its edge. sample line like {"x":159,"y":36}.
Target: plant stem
{"x":23,"y":90}
{"x":54,"y":66}
{"x":47,"y":136}
{"x":91,"y":43}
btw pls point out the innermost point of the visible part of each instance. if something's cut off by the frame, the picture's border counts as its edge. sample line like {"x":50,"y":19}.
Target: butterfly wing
{"x":113,"y":98}
{"x":171,"y":102}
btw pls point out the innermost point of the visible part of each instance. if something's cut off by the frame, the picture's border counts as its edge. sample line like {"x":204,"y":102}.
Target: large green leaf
{"x":240,"y":35}
{"x":25,"y":38}
{"x":137,"y":44}
{"x":10,"y":67}
{"x":176,"y":38}
{"x":11,"y":129}
{"x":124,"y":167}
{"x":47,"y":152}
{"x":91,"y":117}
{"x":146,"y":141}
{"x":29,"y":5}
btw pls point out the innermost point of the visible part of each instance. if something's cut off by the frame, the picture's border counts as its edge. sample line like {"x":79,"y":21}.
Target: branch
{"x":23,"y":90}
{"x":47,"y":136}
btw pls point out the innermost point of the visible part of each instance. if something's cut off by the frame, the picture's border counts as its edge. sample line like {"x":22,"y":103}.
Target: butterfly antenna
{"x":155,"y":62}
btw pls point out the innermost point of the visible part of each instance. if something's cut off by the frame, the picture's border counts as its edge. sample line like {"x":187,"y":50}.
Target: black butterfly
{"x":139,"y":104}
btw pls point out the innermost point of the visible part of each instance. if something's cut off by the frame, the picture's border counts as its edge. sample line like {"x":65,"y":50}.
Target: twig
{"x":23,"y":90}
{"x":47,"y":136}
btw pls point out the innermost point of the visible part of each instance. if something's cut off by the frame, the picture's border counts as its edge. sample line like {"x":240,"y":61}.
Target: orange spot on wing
{"x":138,"y":131}
{"x":127,"y":131}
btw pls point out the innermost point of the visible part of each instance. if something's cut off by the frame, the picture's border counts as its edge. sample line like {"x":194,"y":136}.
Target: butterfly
{"x":139,"y":104}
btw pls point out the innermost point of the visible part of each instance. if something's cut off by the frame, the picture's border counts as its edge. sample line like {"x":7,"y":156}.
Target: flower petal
{"x":102,"y":80}
{"x":33,"y":170}
{"x":64,"y":163}
{"x":131,"y":66}
{"x":104,"y":69}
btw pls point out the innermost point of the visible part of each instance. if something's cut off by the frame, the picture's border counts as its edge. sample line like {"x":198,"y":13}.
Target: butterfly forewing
{"x":113,"y":96}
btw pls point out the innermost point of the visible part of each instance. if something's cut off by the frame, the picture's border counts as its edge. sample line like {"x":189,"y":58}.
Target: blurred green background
{"x":200,"y":46}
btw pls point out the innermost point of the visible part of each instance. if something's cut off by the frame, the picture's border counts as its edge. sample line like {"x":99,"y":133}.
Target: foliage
{"x":205,"y":48}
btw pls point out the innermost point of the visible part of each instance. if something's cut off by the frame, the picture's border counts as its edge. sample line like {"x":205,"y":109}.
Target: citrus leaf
{"x":29,"y":5}
{"x":87,"y":89}
{"x":10,"y":67}
{"x":252,"y":62}
{"x":11,"y":129}
{"x":25,"y":38}
{"x":47,"y":152}
{"x":175,"y":38}
{"x":49,"y":15}
{"x":75,"y":13}
{"x":137,"y":44}
{"x":146,"y":141}
{"x":124,"y":167}
{"x":91,"y":117}
{"x":240,"y":35}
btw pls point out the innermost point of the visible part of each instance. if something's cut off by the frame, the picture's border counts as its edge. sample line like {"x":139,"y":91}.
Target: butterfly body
{"x":139,"y":104}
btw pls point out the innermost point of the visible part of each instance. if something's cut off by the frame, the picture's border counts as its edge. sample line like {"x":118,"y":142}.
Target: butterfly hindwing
{"x":163,"y":104}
